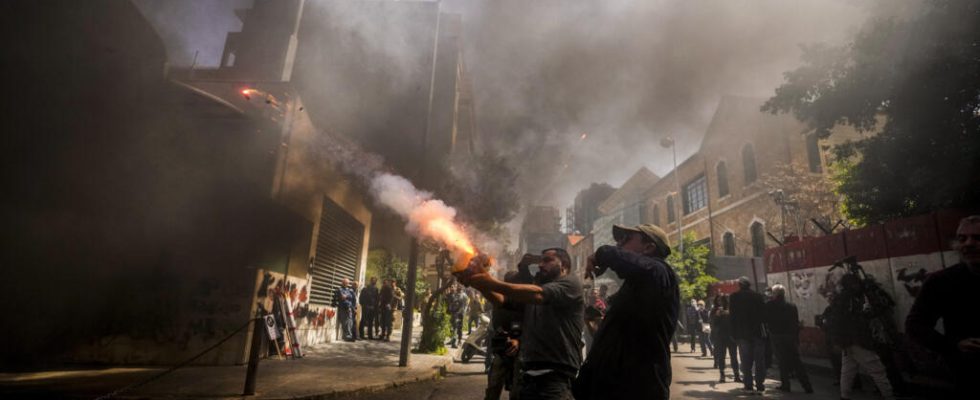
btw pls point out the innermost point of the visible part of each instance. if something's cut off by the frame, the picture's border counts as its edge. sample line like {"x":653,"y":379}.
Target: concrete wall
{"x":897,"y":254}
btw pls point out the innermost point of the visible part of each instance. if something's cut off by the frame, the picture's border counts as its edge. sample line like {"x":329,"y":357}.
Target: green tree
{"x":913,"y":84}
{"x":383,"y":265}
{"x":692,"y":268}
{"x":482,"y":189}
{"x":434,"y":310}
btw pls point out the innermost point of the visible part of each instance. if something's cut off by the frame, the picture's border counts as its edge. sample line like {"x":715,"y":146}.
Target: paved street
{"x":694,"y":378}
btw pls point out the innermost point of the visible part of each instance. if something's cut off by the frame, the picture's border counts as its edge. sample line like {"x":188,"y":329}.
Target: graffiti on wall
{"x":288,"y":301}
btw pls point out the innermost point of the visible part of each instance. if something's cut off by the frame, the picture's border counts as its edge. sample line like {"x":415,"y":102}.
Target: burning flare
{"x":426,"y":216}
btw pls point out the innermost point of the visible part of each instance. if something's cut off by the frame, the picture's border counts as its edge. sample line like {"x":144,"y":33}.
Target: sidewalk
{"x":327,"y":371}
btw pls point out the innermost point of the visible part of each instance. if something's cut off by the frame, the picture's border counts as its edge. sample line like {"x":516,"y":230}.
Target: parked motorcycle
{"x":476,"y":342}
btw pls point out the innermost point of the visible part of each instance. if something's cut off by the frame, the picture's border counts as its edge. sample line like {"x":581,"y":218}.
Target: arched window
{"x":813,"y":153}
{"x":656,"y":214}
{"x":748,"y":163}
{"x":722,"y":171}
{"x":671,"y":212}
{"x":758,"y":239}
{"x":728,"y":241}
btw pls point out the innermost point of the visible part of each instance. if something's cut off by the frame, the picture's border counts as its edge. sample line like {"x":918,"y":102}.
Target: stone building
{"x":728,"y":188}
{"x":624,"y":206}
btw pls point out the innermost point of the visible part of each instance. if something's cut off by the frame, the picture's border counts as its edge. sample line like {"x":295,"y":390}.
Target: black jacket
{"x":630,"y":356}
{"x":782,"y":318}
{"x":369,"y":297}
{"x":747,"y":308}
{"x":848,"y":323}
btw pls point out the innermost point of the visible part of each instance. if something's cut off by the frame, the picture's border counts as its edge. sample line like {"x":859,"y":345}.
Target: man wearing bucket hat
{"x":630,"y":355}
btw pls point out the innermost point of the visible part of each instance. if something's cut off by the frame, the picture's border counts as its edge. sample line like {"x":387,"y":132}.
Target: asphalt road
{"x":694,"y":378}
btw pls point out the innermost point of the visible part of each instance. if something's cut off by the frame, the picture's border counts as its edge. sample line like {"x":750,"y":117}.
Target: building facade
{"x":728,"y":189}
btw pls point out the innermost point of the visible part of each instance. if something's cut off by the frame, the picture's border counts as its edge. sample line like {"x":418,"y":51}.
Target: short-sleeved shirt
{"x":552,"y":332}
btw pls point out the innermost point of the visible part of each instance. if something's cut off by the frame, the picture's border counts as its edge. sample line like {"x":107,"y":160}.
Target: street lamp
{"x":669,"y":142}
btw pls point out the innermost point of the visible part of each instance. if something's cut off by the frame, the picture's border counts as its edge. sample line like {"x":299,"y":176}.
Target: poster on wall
{"x":907,"y":274}
{"x":805,"y":291}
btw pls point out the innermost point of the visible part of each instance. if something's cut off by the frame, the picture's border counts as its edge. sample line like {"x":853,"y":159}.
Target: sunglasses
{"x":963,"y":238}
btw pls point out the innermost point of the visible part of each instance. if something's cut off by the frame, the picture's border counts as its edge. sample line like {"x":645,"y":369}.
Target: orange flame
{"x":448,"y":233}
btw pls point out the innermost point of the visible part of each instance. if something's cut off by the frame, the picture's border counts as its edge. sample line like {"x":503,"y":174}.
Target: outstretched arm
{"x":498,"y":292}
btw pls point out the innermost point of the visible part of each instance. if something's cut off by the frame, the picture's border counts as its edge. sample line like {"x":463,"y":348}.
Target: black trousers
{"x":787,"y":352}
{"x":721,"y":346}
{"x":368,"y":321}
{"x":550,"y":386}
{"x":387,"y":317}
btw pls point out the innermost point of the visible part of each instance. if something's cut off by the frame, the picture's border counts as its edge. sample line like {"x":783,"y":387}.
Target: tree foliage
{"x":435,"y":312}
{"x":692,"y":268}
{"x":806,"y":196}
{"x":382,"y":264}
{"x":913,"y":86}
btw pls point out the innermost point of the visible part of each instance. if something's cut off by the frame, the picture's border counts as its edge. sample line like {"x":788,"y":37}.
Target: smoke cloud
{"x":625,"y":72}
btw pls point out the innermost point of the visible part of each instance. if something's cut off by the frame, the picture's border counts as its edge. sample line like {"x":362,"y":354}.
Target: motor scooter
{"x":476,"y":342}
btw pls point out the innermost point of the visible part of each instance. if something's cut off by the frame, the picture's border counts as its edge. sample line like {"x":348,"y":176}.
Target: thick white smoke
{"x":426,"y":216}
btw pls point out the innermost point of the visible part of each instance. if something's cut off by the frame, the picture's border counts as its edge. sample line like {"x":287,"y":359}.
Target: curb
{"x":438,"y":373}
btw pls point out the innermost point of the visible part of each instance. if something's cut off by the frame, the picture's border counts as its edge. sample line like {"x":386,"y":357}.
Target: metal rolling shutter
{"x":338,"y":251}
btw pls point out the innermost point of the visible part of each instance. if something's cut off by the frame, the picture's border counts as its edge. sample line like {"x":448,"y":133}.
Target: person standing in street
{"x":950,"y":295}
{"x":343,"y":300}
{"x":705,"y":337}
{"x":630,"y":355}
{"x":550,"y":348}
{"x":721,"y":337}
{"x":505,"y":326}
{"x":783,"y":323}
{"x":851,"y":329}
{"x":695,"y":326}
{"x":386,"y":307}
{"x":747,"y":307}
{"x":475,"y":310}
{"x":457,"y":313}
{"x":369,"y":309}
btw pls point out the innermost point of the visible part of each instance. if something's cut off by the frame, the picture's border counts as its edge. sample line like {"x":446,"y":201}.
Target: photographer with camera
{"x":630,"y":355}
{"x":849,"y":318}
{"x":505,"y":326}
{"x":550,"y":348}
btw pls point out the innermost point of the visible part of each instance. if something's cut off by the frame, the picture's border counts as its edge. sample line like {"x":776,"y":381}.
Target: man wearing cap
{"x":630,"y":355}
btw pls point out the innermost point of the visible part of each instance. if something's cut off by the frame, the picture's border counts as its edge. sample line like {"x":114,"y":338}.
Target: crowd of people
{"x":553,"y":337}
{"x":376,"y":315}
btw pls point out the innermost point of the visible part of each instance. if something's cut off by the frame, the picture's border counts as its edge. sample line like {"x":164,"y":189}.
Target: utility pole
{"x":678,"y":207}
{"x":408,"y":314}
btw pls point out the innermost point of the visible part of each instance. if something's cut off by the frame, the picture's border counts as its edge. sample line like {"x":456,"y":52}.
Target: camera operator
{"x":630,"y":356}
{"x":505,"y":325}
{"x":551,"y":339}
{"x":850,"y":324}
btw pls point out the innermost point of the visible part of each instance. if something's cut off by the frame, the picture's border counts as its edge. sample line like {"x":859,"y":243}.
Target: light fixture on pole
{"x":668,"y":142}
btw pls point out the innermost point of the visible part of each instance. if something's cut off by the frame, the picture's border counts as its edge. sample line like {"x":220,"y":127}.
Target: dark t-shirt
{"x":552,"y":332}
{"x":782,"y":318}
{"x":948,"y":294}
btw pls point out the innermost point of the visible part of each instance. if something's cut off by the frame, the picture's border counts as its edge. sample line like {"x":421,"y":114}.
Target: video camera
{"x":498,"y":343}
